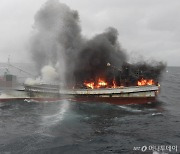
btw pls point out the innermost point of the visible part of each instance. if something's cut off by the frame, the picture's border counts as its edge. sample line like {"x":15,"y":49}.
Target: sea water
{"x":68,"y":127}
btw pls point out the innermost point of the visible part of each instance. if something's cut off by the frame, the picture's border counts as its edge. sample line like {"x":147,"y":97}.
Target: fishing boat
{"x":145,"y":91}
{"x":118,"y":95}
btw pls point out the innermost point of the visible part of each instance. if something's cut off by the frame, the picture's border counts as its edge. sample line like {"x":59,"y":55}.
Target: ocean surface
{"x":65,"y":127}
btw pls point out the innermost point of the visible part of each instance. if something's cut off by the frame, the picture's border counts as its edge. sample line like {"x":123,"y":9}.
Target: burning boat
{"x":94,"y":70}
{"x":123,"y":91}
{"x":118,"y":95}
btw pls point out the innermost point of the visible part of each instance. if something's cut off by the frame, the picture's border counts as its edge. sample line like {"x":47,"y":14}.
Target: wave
{"x":130,"y":109}
{"x":49,"y":120}
{"x":38,"y":101}
{"x":157,"y":114}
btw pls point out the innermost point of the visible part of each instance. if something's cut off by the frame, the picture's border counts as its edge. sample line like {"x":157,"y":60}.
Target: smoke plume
{"x":96,"y":53}
{"x":57,"y":42}
{"x":56,"y":35}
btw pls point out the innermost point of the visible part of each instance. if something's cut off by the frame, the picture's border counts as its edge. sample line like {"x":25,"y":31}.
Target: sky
{"x":148,"y":29}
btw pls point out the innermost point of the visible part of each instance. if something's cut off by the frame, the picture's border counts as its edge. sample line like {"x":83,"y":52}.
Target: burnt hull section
{"x":118,"y":101}
{"x":125,"y":95}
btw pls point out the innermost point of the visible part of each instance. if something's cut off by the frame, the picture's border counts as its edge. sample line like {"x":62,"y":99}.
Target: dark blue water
{"x":76,"y":128}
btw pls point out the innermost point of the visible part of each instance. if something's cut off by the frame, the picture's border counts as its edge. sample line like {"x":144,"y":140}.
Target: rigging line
{"x":22,"y":70}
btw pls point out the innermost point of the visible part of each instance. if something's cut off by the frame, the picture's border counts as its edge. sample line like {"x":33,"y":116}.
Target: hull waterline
{"x":125,"y":95}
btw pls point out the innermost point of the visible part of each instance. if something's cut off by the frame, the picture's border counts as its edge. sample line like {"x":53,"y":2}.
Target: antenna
{"x":8,"y":67}
{"x":9,"y":59}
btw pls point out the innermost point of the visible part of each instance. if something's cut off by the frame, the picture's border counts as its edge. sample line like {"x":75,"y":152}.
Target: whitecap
{"x":155,"y":114}
{"x":127,"y":108}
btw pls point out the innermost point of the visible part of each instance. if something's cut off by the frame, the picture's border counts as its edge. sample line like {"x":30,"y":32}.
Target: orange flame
{"x":100,"y":83}
{"x":114,"y":84}
{"x":89,"y":84}
{"x":144,"y":82}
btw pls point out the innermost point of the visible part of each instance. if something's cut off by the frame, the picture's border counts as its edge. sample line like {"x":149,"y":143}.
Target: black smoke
{"x":57,"y":41}
{"x":96,"y":53}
